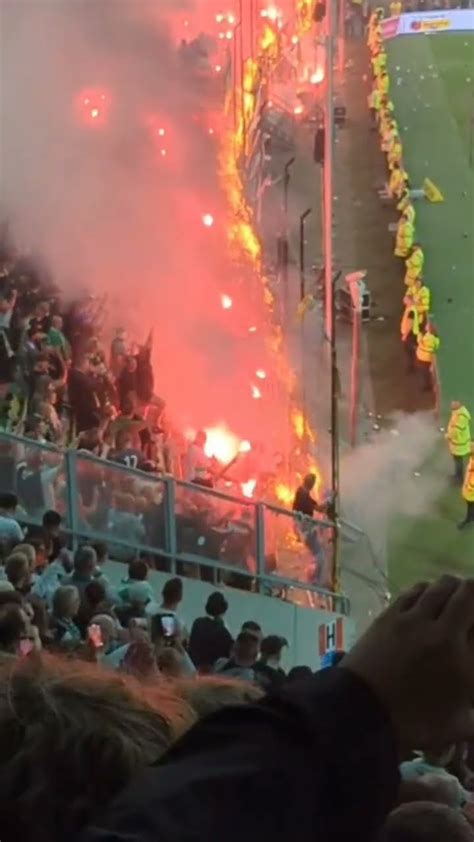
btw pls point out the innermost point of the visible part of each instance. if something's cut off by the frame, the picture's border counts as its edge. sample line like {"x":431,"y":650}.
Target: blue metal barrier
{"x":184,"y":527}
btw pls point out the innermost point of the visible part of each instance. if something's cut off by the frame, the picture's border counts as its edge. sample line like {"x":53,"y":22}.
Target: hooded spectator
{"x":210,"y":639}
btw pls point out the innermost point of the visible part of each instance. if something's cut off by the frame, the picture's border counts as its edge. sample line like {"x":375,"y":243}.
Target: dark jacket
{"x":317,"y":762}
{"x":209,"y":641}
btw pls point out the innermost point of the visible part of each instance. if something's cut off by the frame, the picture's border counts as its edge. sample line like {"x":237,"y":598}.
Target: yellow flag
{"x":432,"y":193}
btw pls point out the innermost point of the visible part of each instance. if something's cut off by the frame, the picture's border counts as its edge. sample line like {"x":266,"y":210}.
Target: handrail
{"x":77,"y":528}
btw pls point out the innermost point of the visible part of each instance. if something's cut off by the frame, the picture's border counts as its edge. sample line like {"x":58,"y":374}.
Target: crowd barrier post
{"x":260,"y":542}
{"x":170,"y":521}
{"x":72,"y":494}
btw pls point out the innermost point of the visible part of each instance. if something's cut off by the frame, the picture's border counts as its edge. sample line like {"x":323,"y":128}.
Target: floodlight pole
{"x":328,"y":173}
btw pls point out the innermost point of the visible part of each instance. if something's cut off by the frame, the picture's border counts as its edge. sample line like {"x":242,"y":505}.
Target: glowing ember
{"x":163,"y":152}
{"x":222,"y":444}
{"x":256,"y":393}
{"x":245,"y":447}
{"x":95,"y":113}
{"x":231,"y":19}
{"x":317,"y":77}
{"x":218,"y":68}
{"x":229,"y":35}
{"x":248,"y":487}
{"x":219,"y":18}
{"x":298,"y":109}
{"x":261,"y":374}
{"x":252,"y":329}
{"x":295,"y":39}
{"x":161,"y":132}
{"x":208,"y":220}
{"x":211,"y":131}
{"x":226,"y":302}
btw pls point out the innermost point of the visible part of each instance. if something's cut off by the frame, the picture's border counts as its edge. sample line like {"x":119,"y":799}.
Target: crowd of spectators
{"x":118,"y":721}
{"x":62,"y":389}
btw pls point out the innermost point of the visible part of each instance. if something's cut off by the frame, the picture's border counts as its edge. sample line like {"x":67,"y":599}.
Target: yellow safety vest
{"x":414,"y":264}
{"x":409,"y":323}
{"x":405,"y":235}
{"x":409,"y":212}
{"x":459,"y":432}
{"x":468,"y":485}
{"x":428,"y":344}
{"x":384,"y":83}
{"x":421,"y":300}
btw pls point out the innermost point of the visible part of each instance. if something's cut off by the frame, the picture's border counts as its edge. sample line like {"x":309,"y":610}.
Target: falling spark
{"x":256,"y":393}
{"x":229,"y":35}
{"x":252,"y":329}
{"x":248,"y":487}
{"x":95,"y":113}
{"x":163,"y":152}
{"x":245,"y":446}
{"x":298,"y":109}
{"x":295,"y":39}
{"x":261,"y":374}
{"x":161,"y":132}
{"x":226,"y":302}
{"x":231,"y":19}
{"x":208,"y":220}
{"x":211,"y":131}
{"x":218,"y":68}
{"x":86,"y":101}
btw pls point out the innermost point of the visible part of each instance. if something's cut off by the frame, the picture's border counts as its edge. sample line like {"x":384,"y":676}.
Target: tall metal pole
{"x":328,"y":167}
{"x":302,"y":297}
{"x":341,"y":40}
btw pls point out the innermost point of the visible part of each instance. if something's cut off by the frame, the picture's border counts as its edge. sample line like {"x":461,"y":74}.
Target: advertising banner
{"x":429,"y":23}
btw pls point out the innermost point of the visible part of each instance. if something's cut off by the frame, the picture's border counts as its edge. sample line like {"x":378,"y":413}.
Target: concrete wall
{"x":302,"y":627}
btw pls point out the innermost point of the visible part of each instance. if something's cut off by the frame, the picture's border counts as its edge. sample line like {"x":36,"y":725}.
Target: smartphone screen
{"x":94,"y":634}
{"x":168,"y":624}
{"x":26,"y":647}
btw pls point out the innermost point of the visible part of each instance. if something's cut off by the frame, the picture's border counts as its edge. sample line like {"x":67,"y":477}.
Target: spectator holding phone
{"x":171,"y":656}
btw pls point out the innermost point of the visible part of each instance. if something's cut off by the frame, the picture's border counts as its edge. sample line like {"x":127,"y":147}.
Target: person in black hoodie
{"x":210,"y":639}
{"x":318,"y":761}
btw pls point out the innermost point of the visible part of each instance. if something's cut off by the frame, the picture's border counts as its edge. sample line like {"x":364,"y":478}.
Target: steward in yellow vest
{"x":404,"y":238}
{"x":397,"y":181}
{"x":458,"y":436}
{"x":468,"y":491}
{"x":414,"y":265}
{"x":428,"y":344}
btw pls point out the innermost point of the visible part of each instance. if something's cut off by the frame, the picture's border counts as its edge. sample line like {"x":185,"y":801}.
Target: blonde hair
{"x":17,"y":568}
{"x":29,"y":551}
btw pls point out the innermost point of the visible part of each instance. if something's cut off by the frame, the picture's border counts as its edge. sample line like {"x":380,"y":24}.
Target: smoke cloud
{"x":392,"y":476}
{"x":114,"y":202}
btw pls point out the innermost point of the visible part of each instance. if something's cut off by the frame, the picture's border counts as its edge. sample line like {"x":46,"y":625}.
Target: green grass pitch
{"x":432,"y":87}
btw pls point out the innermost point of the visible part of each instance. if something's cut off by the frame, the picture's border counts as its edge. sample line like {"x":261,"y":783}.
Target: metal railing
{"x":185,"y":528}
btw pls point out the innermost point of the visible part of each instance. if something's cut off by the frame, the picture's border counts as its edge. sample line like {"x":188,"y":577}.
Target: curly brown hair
{"x":71,"y":737}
